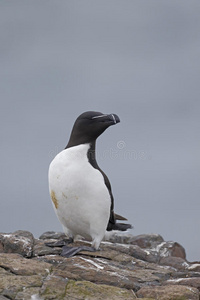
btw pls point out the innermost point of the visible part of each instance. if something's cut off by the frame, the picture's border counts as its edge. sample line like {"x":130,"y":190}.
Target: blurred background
{"x":139,"y":59}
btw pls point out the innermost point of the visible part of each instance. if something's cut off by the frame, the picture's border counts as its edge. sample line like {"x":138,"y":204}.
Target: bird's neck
{"x":75,"y":141}
{"x":92,"y":154}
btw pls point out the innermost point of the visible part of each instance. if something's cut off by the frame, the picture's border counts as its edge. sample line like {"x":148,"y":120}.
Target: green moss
{"x":54,"y":287}
{"x":89,"y":290}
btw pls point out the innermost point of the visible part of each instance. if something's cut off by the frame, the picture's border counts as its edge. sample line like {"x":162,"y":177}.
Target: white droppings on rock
{"x":185,"y":265}
{"x":36,"y":297}
{"x":163,"y":252}
{"x":102,"y":261}
{"x":191,"y":289}
{"x":123,"y":245}
{"x":7,"y":235}
{"x":175,"y":280}
{"x":81,"y":266}
{"x":193,"y":266}
{"x":168,"y":268}
{"x":93,"y":263}
{"x":106,"y":243}
{"x":147,"y":252}
{"x":24,"y":242}
{"x":117,"y":275}
{"x":157,"y":248}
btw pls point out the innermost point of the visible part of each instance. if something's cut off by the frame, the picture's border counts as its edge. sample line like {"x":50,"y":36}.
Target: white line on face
{"x":99,"y":116}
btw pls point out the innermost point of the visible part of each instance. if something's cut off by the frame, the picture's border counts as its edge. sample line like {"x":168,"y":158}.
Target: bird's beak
{"x":111,"y":119}
{"x":114,"y":118}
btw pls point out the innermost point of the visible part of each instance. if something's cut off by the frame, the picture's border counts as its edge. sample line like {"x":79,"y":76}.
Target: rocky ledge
{"x":126,"y":267}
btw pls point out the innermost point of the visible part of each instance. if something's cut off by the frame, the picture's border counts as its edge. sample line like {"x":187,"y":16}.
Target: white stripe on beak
{"x":114,"y":119}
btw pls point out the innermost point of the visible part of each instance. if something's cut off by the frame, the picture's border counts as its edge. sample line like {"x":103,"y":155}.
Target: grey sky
{"x":139,"y":59}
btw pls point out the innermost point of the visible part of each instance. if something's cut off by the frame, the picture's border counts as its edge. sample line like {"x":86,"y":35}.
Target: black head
{"x":89,"y":125}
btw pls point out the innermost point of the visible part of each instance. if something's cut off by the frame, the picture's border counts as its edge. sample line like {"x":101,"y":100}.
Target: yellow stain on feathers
{"x":53,"y":198}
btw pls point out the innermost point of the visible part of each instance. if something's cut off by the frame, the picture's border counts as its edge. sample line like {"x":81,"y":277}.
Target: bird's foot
{"x":71,"y":251}
{"x":60,"y":243}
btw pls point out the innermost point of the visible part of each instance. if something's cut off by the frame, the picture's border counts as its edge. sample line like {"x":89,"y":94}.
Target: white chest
{"x":81,"y":199}
{"x":71,"y":173}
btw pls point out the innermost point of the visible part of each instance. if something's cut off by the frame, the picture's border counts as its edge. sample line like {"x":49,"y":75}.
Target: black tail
{"x":119,"y":226}
{"x":122,"y":226}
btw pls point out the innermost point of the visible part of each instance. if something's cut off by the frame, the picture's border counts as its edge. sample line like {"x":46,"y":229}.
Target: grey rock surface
{"x":126,"y":267}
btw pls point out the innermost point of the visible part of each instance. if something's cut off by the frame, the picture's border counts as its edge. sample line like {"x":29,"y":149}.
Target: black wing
{"x":112,"y":224}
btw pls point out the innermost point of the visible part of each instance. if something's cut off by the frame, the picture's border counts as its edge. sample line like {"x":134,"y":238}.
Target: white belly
{"x":81,"y":199}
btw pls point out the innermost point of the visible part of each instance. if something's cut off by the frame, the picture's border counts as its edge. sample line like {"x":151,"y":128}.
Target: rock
{"x":175,"y":262}
{"x":88,"y":290}
{"x":3,"y":298}
{"x":112,"y":250}
{"x":194,"y":267}
{"x":51,"y":235}
{"x":59,"y":288}
{"x":171,"y":249}
{"x":127,"y":266}
{"x":51,"y":259}
{"x":1,"y":243}
{"x":18,"y":265}
{"x":11,"y":284}
{"x":149,"y":247}
{"x":173,"y":292}
{"x":193,"y":282}
{"x":118,"y":237}
{"x":41,"y":249}
{"x":97,"y":271}
{"x":147,"y":240}
{"x":143,"y":254}
{"x":143,"y":240}
{"x":28,"y":293}
{"x":19,"y":277}
{"x":103,"y":271}
{"x":18,"y":242}
{"x":54,"y":287}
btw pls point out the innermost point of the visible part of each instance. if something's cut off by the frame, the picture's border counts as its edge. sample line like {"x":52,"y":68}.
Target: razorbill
{"x":80,"y":191}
